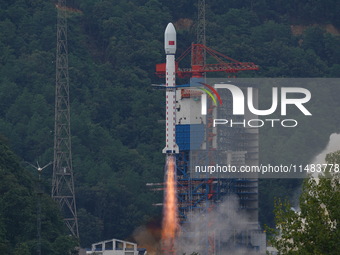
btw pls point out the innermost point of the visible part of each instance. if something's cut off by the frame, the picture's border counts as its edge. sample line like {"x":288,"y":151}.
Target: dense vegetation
{"x":113,"y":47}
{"x":312,"y":228}
{"x":18,"y":213}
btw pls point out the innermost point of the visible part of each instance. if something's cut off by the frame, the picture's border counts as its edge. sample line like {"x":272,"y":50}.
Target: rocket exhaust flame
{"x":170,"y":217}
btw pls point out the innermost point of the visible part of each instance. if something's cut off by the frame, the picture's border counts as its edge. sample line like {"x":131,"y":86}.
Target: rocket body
{"x":170,"y":86}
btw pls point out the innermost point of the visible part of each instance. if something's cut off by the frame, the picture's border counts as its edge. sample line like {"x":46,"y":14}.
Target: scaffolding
{"x":237,"y":146}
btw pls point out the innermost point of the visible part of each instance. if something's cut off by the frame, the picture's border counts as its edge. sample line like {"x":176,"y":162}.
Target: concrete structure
{"x":115,"y":247}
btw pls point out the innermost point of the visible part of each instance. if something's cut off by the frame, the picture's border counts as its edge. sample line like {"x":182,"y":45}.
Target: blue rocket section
{"x":189,"y":137}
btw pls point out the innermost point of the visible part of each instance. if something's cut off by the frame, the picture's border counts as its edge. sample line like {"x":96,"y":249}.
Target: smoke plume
{"x":221,"y":223}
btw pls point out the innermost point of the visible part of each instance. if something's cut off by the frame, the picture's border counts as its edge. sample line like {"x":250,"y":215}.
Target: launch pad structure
{"x":198,"y":142}
{"x":202,"y":144}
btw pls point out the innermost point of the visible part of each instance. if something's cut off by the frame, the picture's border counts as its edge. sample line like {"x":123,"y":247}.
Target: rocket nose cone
{"x":170,"y":39}
{"x":170,"y":29}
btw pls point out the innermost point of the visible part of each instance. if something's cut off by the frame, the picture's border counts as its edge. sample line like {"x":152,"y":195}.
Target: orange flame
{"x":170,"y":219}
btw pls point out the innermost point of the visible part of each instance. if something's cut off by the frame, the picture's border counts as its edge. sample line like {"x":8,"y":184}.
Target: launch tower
{"x":194,"y":132}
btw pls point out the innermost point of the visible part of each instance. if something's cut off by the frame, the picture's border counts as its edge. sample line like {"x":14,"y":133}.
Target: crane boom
{"x":199,"y":68}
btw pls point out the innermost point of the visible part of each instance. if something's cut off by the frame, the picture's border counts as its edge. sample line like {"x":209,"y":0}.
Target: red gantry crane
{"x":199,"y":67}
{"x":199,"y":51}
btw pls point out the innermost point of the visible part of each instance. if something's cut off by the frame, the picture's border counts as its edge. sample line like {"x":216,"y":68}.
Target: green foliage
{"x":312,"y":230}
{"x":18,"y":206}
{"x":64,"y":245}
{"x":116,"y":140}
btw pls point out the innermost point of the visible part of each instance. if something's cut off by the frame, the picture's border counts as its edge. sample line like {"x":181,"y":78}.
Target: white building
{"x":115,"y":247}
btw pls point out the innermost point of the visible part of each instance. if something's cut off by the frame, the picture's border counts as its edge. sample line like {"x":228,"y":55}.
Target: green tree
{"x":116,"y":141}
{"x":18,"y":218}
{"x":314,"y":229}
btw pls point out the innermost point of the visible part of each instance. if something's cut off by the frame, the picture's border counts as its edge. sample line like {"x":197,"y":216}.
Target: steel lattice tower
{"x":200,"y":36}
{"x":204,"y":194}
{"x":201,"y":23}
{"x":62,"y":182}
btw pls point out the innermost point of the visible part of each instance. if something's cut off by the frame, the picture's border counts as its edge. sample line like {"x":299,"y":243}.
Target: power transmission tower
{"x":62,"y":182}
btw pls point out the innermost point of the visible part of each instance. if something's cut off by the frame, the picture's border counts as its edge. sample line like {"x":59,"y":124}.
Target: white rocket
{"x":170,"y":86}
